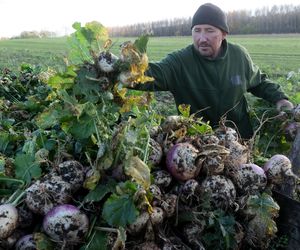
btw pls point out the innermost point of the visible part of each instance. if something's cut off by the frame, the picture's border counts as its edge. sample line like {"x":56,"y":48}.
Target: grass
{"x":274,"y":54}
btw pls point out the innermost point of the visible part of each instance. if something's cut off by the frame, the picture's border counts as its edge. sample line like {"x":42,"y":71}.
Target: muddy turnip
{"x":182,"y":161}
{"x":107,"y":61}
{"x":162,"y":178}
{"x":73,"y":173}
{"x":8,"y":220}
{"x":249,"y":178}
{"x":220,"y":189}
{"x":278,"y":168}
{"x":66,"y":223}
{"x":42,"y":196}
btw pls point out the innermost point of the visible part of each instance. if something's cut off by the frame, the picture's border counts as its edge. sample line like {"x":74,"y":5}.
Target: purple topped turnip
{"x":278,"y":168}
{"x":26,"y":242}
{"x":8,"y":220}
{"x":182,"y":161}
{"x":226,"y":134}
{"x":249,"y":178}
{"x":66,"y":223}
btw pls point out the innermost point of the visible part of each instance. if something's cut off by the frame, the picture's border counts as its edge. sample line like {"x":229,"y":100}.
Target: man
{"x":213,"y":75}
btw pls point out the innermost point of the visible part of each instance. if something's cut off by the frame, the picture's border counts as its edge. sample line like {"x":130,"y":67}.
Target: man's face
{"x":208,"y":40}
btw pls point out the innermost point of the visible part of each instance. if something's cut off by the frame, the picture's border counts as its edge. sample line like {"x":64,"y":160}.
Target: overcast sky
{"x":59,"y":15}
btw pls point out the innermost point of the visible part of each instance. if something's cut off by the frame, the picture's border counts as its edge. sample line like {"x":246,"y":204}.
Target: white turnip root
{"x":42,"y":196}
{"x":296,"y":113}
{"x":278,"y":168}
{"x":220,"y":189}
{"x":189,"y":191}
{"x":139,"y":224}
{"x":29,"y":242}
{"x":11,"y":240}
{"x":107,"y":61}
{"x":162,"y":178}
{"x":213,"y":164}
{"x":155,"y":192}
{"x":291,"y":129}
{"x":169,"y":204}
{"x":226,"y":134}
{"x":156,"y":153}
{"x":239,"y":154}
{"x":181,"y":161}
{"x":8,"y":220}
{"x":157,"y":216}
{"x":172,"y":123}
{"x":192,"y":233}
{"x":249,"y":178}
{"x":260,"y":231}
{"x":66,"y":223}
{"x":26,"y":242}
{"x":73,"y":173}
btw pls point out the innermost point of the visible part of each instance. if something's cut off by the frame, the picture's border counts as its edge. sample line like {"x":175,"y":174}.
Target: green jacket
{"x":214,"y":87}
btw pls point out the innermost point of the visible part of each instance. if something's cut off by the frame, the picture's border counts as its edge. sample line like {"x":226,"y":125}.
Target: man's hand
{"x":284,"y":104}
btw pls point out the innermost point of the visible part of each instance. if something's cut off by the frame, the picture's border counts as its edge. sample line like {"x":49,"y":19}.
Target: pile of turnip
{"x":195,"y":178}
{"x":98,"y":175}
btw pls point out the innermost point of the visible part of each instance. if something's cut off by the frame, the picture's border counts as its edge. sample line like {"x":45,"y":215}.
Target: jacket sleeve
{"x":260,"y":85}
{"x":163,"y":72}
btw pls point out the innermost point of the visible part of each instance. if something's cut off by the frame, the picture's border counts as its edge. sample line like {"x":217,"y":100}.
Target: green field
{"x":275,"y":54}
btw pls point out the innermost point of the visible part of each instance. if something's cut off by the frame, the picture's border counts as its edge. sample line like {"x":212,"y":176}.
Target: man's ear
{"x":224,"y":34}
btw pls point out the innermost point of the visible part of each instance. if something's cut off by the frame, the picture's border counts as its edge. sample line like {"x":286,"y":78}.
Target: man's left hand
{"x":284,"y":104}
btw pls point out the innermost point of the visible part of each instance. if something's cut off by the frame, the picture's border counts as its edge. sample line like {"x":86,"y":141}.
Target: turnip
{"x":157,"y":216}
{"x":278,"y":168}
{"x":169,"y":204}
{"x":213,"y":164}
{"x":189,"y":191}
{"x":155,"y":192}
{"x":42,"y":196}
{"x":8,"y":220}
{"x":73,"y":173}
{"x":192,"y":233}
{"x":172,"y":123}
{"x":220,"y":189}
{"x":226,"y":134}
{"x":296,"y":113}
{"x":26,"y":242}
{"x":162,"y":178}
{"x":249,"y":178}
{"x":66,"y":223}
{"x":239,"y":154}
{"x":107,"y":61}
{"x":148,"y":245}
{"x":210,"y":139}
{"x":291,"y":130}
{"x":11,"y":240}
{"x":181,"y":161}
{"x":156,"y":153}
{"x":34,"y":241}
{"x":260,"y":231}
{"x":139,"y":224}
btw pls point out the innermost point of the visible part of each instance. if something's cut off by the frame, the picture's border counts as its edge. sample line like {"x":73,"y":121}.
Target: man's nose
{"x":203,"y":36}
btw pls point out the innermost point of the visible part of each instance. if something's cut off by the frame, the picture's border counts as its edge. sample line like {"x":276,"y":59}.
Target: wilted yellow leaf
{"x":139,"y":171}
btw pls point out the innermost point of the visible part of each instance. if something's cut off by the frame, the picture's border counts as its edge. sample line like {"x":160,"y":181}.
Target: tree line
{"x":277,"y":19}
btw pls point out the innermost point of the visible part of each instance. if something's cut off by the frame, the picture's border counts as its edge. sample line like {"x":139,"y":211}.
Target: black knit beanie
{"x":212,"y":15}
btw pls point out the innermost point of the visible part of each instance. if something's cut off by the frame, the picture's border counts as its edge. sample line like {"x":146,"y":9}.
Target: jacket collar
{"x":221,"y":56}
